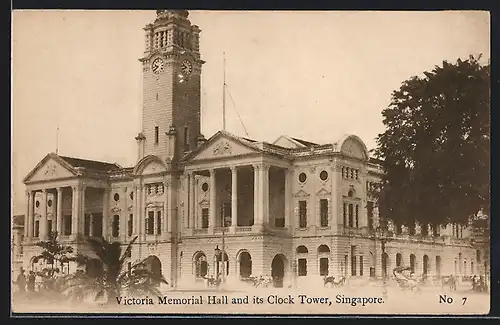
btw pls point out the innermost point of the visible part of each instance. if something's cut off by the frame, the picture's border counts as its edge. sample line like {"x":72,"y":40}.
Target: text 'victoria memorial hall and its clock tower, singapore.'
{"x":291,"y":209}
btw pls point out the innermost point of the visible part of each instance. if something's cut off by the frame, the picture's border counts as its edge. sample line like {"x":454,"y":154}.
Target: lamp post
{"x":383,"y":241}
{"x":222,"y":253}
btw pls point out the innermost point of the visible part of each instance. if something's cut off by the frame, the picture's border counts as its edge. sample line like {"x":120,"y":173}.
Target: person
{"x":21,"y":281}
{"x":31,"y":281}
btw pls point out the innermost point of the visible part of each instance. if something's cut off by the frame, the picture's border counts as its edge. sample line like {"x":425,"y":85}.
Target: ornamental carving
{"x":222,"y":148}
{"x":51,"y":170}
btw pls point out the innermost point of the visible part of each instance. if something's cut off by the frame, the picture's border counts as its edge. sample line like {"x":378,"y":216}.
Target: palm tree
{"x":108,"y":278}
{"x":53,"y":253}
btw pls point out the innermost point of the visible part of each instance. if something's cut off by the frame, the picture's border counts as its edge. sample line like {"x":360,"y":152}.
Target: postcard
{"x":251,"y":162}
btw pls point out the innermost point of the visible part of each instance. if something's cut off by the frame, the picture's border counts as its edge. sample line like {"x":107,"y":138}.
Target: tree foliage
{"x":436,"y":147}
{"x":53,"y":253}
{"x":113,"y":278}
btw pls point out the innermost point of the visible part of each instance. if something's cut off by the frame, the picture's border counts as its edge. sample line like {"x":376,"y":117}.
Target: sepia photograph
{"x":250,"y":162}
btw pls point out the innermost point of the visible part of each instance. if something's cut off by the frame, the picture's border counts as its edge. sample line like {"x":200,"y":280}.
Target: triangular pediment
{"x":223,"y":145}
{"x":301,"y":193}
{"x":323,"y":192}
{"x":50,"y":167}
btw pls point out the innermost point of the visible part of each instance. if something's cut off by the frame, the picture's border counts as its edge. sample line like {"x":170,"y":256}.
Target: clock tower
{"x":171,"y":68}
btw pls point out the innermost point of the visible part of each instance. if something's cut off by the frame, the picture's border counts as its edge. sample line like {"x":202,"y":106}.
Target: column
{"x":44,"y":223}
{"x":59,"y":222}
{"x":105,"y":211}
{"x":81,"y":218}
{"x":264,"y":194}
{"x":124,"y":216}
{"x":165,"y":215}
{"x":137,"y":210}
{"x":74,"y":209}
{"x":256,"y":214}
{"x":234,"y":196}
{"x":91,"y":225}
{"x":192,"y":213}
{"x":186,"y":200}
{"x":31,"y":215}
{"x":213,"y":191}
{"x":27,"y":218}
{"x":288,"y":197}
{"x":142,"y":220}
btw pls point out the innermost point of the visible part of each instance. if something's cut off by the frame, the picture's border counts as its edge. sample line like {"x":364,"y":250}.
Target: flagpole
{"x":224,"y":93}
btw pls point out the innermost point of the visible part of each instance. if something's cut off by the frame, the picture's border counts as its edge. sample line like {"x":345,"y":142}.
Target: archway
{"x":412,"y":263}
{"x":153,"y":265}
{"x":385,"y":260}
{"x":245,"y":265}
{"x":425,"y":265}
{"x":324,"y":258}
{"x":438,"y":266}
{"x":399,"y":259}
{"x":200,"y":265}
{"x":278,"y":270}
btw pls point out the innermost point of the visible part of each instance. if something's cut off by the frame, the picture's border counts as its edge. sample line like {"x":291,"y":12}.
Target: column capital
{"x":211,"y":171}
{"x":58,"y":189}
{"x":44,"y":191}
{"x":233,"y":168}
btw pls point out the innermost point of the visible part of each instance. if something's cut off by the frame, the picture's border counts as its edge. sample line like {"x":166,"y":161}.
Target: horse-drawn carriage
{"x":259,"y":281}
{"x":405,"y":279}
{"x":334,"y":282}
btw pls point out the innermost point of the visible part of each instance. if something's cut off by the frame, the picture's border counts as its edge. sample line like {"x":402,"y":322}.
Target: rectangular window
{"x":351,"y":221}
{"x":86,"y":225}
{"x":369,"y":212}
{"x":345,"y":215}
{"x":186,"y":145}
{"x":302,"y":214}
{"x":346,"y":263}
{"x":204,"y":218}
{"x":37,"y":228}
{"x":49,"y":226}
{"x":115,"y":230}
{"x":323,"y":266}
{"x":323,"y":210}
{"x":357,"y":216}
{"x":158,"y":223}
{"x":353,"y":260}
{"x":411,"y":228}
{"x":97,"y":225}
{"x":361,"y":265}
{"x":302,"y":267}
{"x":157,"y":135}
{"x":150,"y":223}
{"x":130,"y":227}
{"x":67,"y":225}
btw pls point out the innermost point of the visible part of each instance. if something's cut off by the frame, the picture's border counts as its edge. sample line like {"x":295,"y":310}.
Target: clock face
{"x":158,"y":65}
{"x":186,"y":67}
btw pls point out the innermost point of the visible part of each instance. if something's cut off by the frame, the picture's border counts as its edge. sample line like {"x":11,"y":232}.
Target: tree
{"x":53,"y":253}
{"x":436,"y":147}
{"x":112,"y":279}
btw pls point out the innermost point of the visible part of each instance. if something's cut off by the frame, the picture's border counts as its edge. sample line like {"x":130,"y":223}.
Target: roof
{"x":93,"y":165}
{"x":305,"y":143}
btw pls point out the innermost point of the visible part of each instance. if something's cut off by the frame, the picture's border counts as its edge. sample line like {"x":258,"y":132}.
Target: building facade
{"x":290,"y":209}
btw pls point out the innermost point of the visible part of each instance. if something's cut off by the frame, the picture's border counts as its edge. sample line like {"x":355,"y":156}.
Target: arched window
{"x":412,"y":263}
{"x":302,"y":250}
{"x":425,"y":264}
{"x":201,"y":265}
{"x":438,"y":266}
{"x":245,"y":265}
{"x":399,"y":259}
{"x":324,"y":259}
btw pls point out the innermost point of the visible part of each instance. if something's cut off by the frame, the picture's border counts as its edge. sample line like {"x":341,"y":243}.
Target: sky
{"x":310,"y":75}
